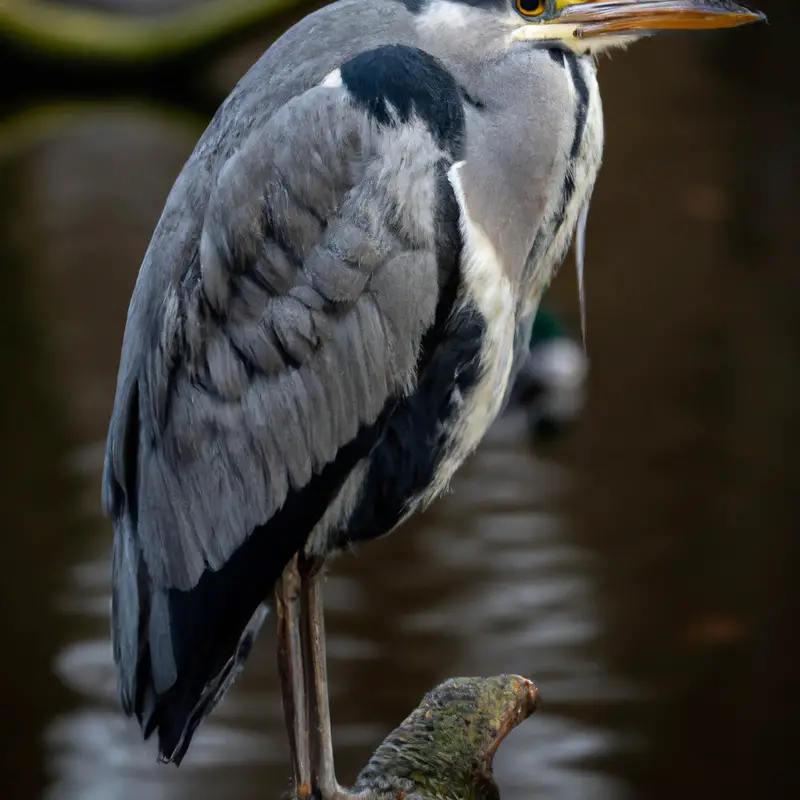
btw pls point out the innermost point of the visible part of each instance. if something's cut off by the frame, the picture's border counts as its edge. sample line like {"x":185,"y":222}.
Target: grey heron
{"x":327,"y":318}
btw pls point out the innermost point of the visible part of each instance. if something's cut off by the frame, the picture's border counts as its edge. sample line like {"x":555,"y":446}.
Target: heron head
{"x":597,"y":24}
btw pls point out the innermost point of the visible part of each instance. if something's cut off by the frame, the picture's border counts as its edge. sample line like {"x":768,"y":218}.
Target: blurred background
{"x":642,"y":567}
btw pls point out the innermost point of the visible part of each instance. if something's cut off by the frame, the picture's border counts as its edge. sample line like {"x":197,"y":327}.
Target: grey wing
{"x":302,"y":288}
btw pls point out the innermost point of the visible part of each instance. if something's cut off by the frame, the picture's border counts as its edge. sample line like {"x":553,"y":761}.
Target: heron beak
{"x":641,"y":17}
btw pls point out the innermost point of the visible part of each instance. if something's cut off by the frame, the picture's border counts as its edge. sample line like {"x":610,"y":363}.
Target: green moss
{"x":444,"y":749}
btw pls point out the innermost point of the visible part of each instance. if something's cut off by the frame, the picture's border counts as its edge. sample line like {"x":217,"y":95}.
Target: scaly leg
{"x":288,"y":600}
{"x":322,"y":768}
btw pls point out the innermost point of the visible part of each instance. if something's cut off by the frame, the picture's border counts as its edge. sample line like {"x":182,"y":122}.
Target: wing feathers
{"x":254,"y":382}
{"x":269,"y":368}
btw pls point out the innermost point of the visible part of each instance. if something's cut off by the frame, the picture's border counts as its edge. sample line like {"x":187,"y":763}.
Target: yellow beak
{"x":639,"y":17}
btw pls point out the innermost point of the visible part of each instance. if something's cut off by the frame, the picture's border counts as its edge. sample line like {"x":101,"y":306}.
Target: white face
{"x":538,"y":20}
{"x":494,"y":26}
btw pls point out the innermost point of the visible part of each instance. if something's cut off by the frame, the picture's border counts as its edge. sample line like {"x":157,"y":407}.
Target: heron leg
{"x":322,"y":767}
{"x":288,"y":602}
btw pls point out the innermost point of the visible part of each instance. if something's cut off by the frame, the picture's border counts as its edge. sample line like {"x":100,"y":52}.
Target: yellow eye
{"x":530,"y":8}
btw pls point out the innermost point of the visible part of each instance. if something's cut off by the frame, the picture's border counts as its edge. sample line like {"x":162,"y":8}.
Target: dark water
{"x":643,"y":569}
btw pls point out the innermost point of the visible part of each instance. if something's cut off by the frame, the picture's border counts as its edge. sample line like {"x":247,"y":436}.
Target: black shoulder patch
{"x":411,"y":81}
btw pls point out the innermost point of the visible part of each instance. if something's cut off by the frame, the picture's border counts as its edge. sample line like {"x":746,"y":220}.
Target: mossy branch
{"x":99,"y":35}
{"x":445,"y":748}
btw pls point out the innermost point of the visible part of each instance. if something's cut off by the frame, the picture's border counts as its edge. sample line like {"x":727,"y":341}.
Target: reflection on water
{"x":643,"y":571}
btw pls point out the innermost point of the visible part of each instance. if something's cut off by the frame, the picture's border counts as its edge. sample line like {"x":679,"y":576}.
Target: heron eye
{"x":530,"y":8}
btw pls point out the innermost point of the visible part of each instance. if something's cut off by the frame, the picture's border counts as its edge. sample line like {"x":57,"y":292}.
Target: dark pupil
{"x":531,"y":6}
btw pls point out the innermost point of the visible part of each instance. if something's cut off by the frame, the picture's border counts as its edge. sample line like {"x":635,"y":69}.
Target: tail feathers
{"x":127,"y":613}
{"x":177,"y":709}
{"x":178,"y":652}
{"x":178,"y":712}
